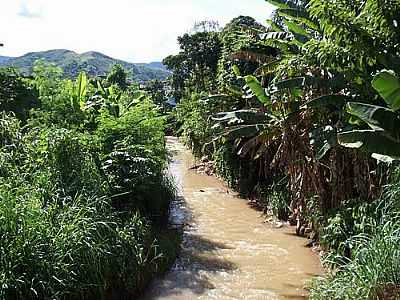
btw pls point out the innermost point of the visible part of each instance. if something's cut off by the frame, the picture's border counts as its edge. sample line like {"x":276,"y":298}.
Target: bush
{"x":195,"y":129}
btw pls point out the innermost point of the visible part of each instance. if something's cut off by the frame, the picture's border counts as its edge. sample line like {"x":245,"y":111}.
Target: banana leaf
{"x":388,"y":86}
{"x":240,"y":116}
{"x":323,"y":139}
{"x":300,"y":15}
{"x":377,"y":117}
{"x":255,"y":86}
{"x":245,"y":131}
{"x":336,"y":101}
{"x":372,"y":141}
{"x":297,"y":29}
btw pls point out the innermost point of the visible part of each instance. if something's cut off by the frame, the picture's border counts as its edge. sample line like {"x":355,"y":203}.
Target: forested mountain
{"x":93,"y":63}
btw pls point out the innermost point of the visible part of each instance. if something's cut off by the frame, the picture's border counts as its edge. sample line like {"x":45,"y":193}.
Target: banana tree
{"x":383,"y":136}
{"x":78,"y":91}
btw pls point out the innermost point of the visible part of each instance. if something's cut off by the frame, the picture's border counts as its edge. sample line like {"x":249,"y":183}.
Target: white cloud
{"x":134,"y":30}
{"x":31,"y":9}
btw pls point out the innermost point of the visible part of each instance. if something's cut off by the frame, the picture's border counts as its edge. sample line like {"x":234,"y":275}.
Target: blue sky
{"x":133,"y":30}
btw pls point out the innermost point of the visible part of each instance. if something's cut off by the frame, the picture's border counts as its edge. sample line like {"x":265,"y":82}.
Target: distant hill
{"x":3,"y":59}
{"x":93,"y":63}
{"x":155,"y":65}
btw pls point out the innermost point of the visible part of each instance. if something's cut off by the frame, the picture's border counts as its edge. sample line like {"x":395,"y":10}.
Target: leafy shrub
{"x":195,"y":129}
{"x":353,"y":218}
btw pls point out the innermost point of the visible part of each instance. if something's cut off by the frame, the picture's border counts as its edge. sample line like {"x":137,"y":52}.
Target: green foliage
{"x":118,"y":76}
{"x":372,"y":274}
{"x":384,"y":138}
{"x":83,"y":191}
{"x":196,"y":64}
{"x":388,"y":86}
{"x":192,"y":114}
{"x":288,"y":98}
{"x":373,"y":271}
{"x":16,"y":95}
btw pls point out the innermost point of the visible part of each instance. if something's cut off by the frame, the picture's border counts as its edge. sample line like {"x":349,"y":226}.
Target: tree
{"x":196,"y":65}
{"x":118,"y":76}
{"x":16,"y":95}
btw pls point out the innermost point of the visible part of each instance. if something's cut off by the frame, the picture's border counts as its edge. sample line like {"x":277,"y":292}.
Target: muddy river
{"x":228,"y":251}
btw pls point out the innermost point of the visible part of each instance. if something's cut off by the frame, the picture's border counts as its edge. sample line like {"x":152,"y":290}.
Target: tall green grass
{"x":373,"y":269}
{"x":82,"y":249}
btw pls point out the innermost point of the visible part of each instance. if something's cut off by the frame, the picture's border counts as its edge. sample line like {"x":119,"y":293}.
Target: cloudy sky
{"x":133,"y":30}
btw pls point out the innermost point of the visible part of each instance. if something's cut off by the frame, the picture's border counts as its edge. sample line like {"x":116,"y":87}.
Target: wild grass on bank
{"x":371,"y":268}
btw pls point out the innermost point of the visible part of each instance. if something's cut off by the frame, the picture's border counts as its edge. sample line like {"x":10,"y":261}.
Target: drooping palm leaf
{"x":245,"y":131}
{"x":377,"y":117}
{"x":300,"y":15}
{"x":372,"y":141}
{"x":337,"y":101}
{"x":240,"y":117}
{"x":255,"y":85}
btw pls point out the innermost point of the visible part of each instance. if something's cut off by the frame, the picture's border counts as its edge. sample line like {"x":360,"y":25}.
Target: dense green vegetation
{"x":92,"y":63}
{"x":303,"y":114}
{"x":83,"y":196}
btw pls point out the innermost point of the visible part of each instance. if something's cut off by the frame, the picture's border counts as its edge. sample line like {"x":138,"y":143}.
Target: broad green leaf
{"x":337,"y":101}
{"x":388,"y":86}
{"x":274,"y":26}
{"x":296,"y":28}
{"x":307,"y":81}
{"x":82,"y":85}
{"x":81,"y":90}
{"x":377,"y":117}
{"x":285,"y":46}
{"x":282,"y":3}
{"x":240,"y":116}
{"x":236,"y":70}
{"x":300,"y":15}
{"x":372,"y":141}
{"x":245,"y":131}
{"x":255,"y":86}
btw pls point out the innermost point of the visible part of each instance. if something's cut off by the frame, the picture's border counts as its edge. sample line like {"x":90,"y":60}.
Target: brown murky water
{"x":228,"y":251}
